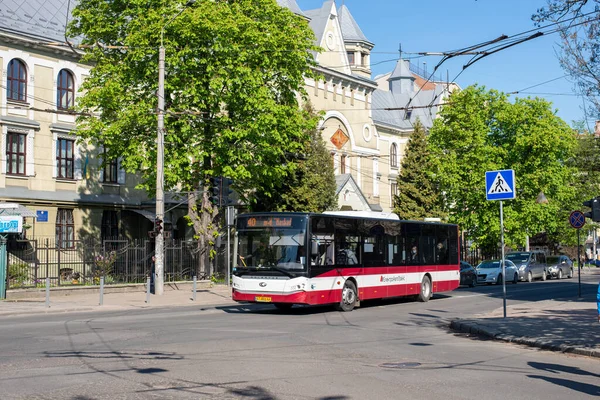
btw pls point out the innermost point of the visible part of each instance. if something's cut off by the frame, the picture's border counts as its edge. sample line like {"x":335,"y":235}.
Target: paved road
{"x":384,"y":350}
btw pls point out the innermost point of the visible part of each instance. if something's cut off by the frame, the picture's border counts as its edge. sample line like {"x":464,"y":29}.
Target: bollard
{"x":148,"y":290}
{"x":194,"y":290}
{"x":101,"y":290}
{"x":47,"y":292}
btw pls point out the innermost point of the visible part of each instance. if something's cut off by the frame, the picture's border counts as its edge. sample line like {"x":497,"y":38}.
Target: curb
{"x":475,"y":329}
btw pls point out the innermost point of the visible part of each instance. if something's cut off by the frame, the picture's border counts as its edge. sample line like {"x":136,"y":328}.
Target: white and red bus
{"x":341,"y":258}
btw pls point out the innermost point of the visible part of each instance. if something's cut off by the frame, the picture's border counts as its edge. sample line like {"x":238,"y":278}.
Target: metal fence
{"x":31,"y":261}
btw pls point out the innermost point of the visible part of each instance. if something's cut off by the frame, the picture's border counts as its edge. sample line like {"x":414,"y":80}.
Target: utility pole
{"x":159,"y":249}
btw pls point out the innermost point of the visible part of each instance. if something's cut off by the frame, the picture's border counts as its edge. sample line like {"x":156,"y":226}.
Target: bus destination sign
{"x":271,"y":222}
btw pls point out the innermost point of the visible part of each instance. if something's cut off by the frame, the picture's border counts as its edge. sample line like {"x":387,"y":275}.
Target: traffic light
{"x":215,"y":191}
{"x":594,"y":204}
{"x":158,"y":225}
{"x":227,"y":191}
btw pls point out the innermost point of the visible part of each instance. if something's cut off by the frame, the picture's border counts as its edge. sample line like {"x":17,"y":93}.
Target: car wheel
{"x":425,"y":293}
{"x":559,"y":274}
{"x":349,"y":297}
{"x":570,"y":274}
{"x":283,"y":306}
{"x":529,"y":277}
{"x":516,"y":278}
{"x":499,"y":281}
{"x":544,"y":276}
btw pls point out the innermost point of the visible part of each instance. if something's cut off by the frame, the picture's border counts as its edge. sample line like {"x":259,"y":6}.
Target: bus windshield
{"x":275,"y":244}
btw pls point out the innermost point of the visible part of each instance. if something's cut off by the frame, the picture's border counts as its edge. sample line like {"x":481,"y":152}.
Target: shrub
{"x":103,"y":264}
{"x":18,"y":273}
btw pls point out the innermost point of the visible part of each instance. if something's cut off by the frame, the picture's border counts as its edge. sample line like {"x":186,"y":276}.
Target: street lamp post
{"x":160,"y":157}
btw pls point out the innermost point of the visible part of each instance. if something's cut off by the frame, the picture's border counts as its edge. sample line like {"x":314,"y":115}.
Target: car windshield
{"x":553,"y":260}
{"x":489,"y":265}
{"x":518,"y":258}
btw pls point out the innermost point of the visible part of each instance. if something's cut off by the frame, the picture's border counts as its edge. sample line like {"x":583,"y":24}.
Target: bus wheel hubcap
{"x":348,"y":296}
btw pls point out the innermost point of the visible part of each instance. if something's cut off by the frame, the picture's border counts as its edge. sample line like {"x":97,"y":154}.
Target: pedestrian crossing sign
{"x":500,"y":185}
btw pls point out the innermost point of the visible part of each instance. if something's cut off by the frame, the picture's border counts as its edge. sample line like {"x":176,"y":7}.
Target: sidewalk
{"x":568,"y":326}
{"x":88,"y":300}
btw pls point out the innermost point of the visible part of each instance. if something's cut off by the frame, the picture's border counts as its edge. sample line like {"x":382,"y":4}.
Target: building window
{"x":351,"y":57}
{"x":343,"y":164}
{"x":16,"y":153}
{"x":16,"y":81}
{"x":393,"y":190}
{"x":65,"y":229}
{"x":111,"y":169}
{"x":110,"y":225}
{"x":394,"y":155}
{"x":364,"y":59}
{"x":65,"y":158}
{"x":65,"y":90}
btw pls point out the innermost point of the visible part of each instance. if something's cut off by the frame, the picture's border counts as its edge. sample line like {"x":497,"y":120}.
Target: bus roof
{"x":365,"y":214}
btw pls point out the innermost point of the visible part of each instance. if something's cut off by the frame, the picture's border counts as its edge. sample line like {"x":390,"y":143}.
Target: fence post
{"x":58,"y":247}
{"x":3,"y":267}
{"x":101,"y":290}
{"x":47,"y":292}
{"x":148,"y":290}
{"x":194,"y":292}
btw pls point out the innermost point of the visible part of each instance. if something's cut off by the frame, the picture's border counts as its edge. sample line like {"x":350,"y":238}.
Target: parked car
{"x":468,"y":275}
{"x":531,"y":264}
{"x":559,"y":267}
{"x":490,"y":271}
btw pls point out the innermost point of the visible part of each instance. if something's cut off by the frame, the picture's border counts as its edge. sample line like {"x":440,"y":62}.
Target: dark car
{"x":468,"y":275}
{"x":559,"y":267}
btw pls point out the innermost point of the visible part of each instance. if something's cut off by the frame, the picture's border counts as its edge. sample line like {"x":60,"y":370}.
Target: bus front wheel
{"x":425,"y":293}
{"x":349,"y":297}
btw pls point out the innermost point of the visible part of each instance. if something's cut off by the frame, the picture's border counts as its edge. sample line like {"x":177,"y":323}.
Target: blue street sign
{"x":577,"y":220}
{"x":42,"y":215}
{"x":500,"y":185}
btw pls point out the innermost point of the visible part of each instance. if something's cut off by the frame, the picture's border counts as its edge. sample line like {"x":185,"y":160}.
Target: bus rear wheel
{"x":349,"y":297}
{"x":425,"y":293}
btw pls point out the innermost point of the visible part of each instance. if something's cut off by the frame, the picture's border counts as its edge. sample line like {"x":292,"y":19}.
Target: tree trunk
{"x":202,"y":214}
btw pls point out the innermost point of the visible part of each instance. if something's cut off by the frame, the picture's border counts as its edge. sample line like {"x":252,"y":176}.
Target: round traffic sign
{"x":577,"y":219}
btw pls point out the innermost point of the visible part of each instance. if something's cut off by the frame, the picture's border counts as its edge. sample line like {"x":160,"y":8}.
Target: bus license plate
{"x":263,"y":299}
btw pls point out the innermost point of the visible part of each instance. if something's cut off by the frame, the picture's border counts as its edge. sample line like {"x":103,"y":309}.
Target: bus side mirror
{"x":314,"y":248}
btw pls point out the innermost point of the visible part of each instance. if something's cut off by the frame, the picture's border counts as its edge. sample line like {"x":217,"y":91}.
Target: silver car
{"x":559,"y":267}
{"x":531,"y":264}
{"x":490,"y":271}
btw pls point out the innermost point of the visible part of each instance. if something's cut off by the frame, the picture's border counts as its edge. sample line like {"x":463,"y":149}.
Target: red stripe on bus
{"x":334,"y":296}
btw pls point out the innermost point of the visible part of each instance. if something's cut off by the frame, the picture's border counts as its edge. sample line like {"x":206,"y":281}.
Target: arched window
{"x":65,"y":90}
{"x":394,"y":155}
{"x":16,"y":81}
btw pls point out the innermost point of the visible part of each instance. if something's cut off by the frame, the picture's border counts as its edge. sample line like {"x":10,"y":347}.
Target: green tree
{"x":234,"y":77}
{"x":579,"y":24}
{"x":481,"y":131}
{"x":417,"y":196}
{"x":312,"y":186}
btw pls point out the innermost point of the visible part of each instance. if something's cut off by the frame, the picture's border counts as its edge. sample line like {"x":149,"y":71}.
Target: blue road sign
{"x":500,"y":185}
{"x":577,"y":220}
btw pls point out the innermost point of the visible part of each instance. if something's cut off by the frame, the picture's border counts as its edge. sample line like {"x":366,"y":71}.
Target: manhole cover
{"x":400,"y":365}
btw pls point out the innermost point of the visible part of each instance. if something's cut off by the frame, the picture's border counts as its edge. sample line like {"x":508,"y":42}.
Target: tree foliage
{"x":312,"y":186}
{"x":234,"y":72}
{"x":483,"y":131}
{"x":417,"y":196}
{"x":579,"y":25}
{"x":234,"y":78}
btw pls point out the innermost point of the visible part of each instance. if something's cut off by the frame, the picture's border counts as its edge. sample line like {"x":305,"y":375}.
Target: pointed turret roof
{"x":350,"y":29}
{"x":292,"y":6}
{"x":402,"y":70}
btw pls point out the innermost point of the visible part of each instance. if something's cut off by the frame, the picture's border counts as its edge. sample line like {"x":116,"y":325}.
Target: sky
{"x":444,"y":25}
